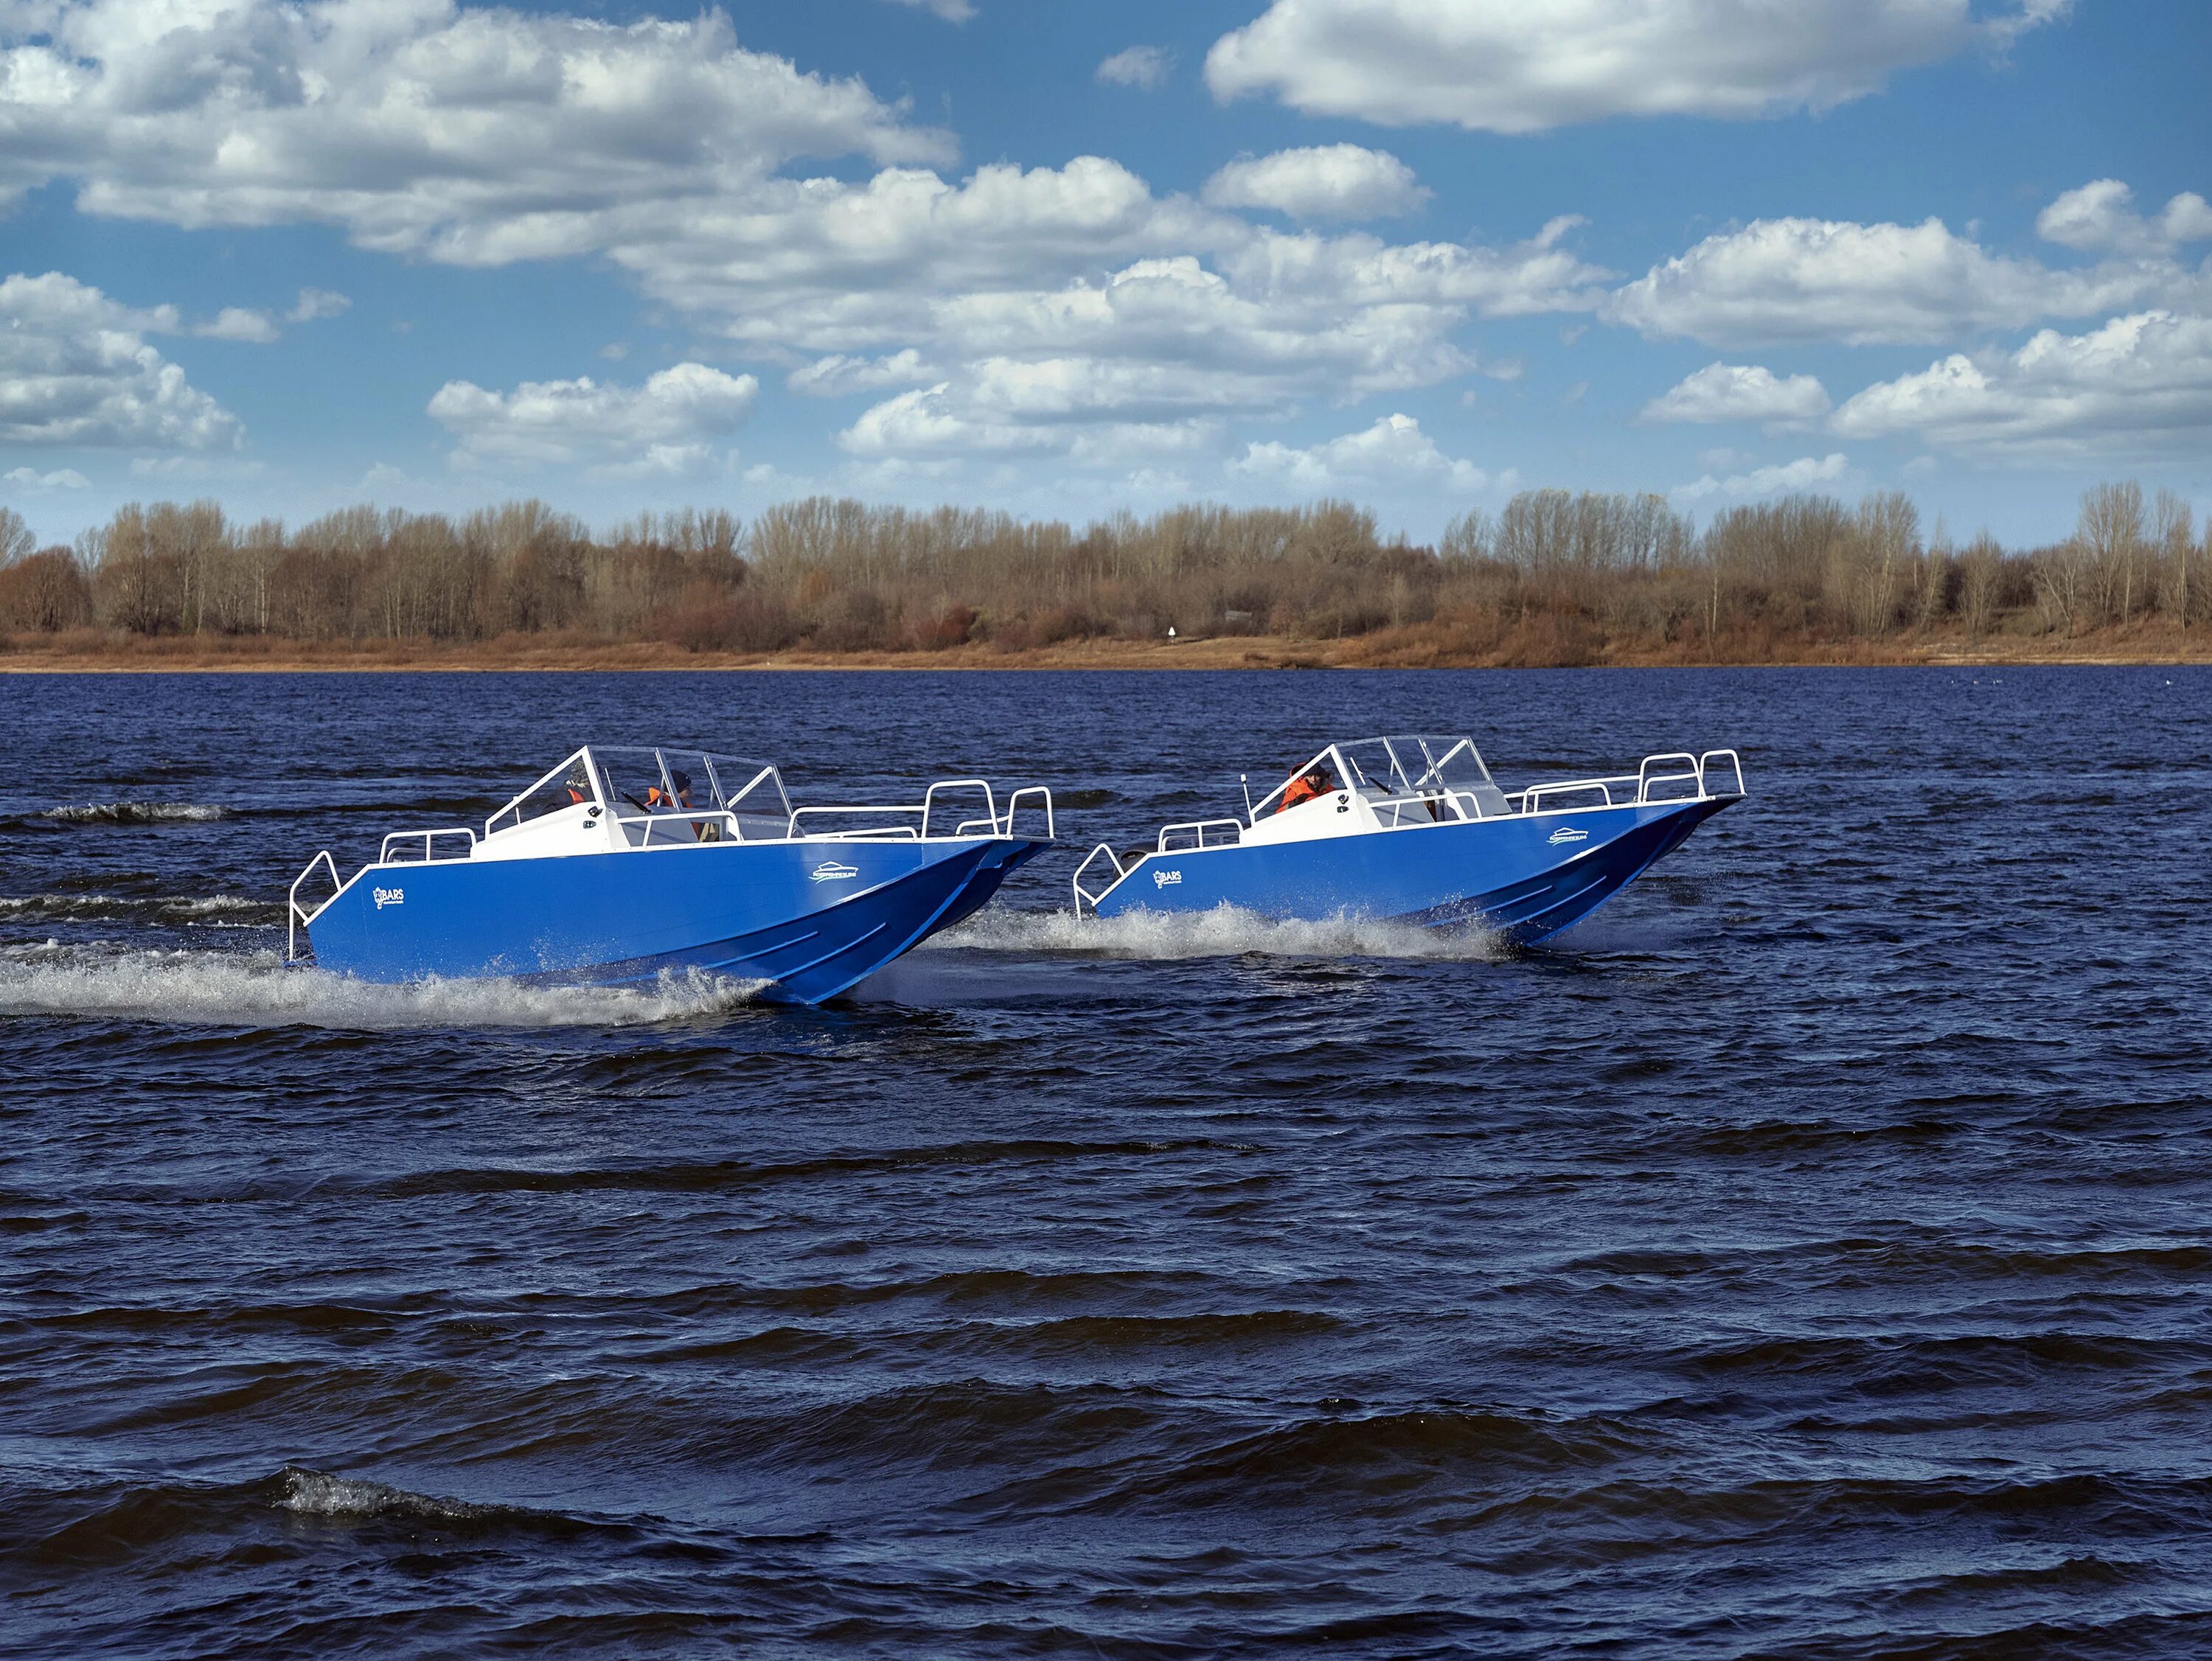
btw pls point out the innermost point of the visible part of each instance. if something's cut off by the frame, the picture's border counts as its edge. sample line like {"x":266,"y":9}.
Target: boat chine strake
{"x":623,"y":864}
{"x":1414,"y":830}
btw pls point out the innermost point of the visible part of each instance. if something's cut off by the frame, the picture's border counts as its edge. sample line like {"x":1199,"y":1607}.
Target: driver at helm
{"x":1314,"y":781}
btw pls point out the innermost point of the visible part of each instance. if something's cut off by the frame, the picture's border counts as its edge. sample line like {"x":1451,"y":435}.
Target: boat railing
{"x":1084,"y":896}
{"x":429,"y":839}
{"x":989,"y":822}
{"x":1659,"y":778}
{"x":1532,"y":799}
{"x":1035,"y":793}
{"x":1200,"y":831}
{"x":923,"y":816}
{"x":864,"y":834}
{"x":296,"y":914}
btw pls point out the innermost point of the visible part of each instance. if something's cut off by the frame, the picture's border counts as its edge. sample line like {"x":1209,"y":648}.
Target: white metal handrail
{"x":791,"y":833}
{"x":1044,"y":791}
{"x":1533,"y":795}
{"x":1198,"y":828}
{"x":1636,"y":789}
{"x":1083,"y":895}
{"x":1645,"y":778}
{"x":993,"y":823}
{"x":990,"y":803}
{"x":384,"y":854}
{"x":296,"y":914}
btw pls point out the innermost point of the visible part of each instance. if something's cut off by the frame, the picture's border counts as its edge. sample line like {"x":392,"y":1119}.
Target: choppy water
{"x":1807,"y":1257}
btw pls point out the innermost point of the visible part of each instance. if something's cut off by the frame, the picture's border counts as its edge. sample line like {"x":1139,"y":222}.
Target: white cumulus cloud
{"x":75,"y":369}
{"x":1148,"y":66}
{"x":1781,"y":280}
{"x":1324,"y":182}
{"x":1515,"y":66}
{"x":29,"y":481}
{"x":2139,"y":384}
{"x":839,"y":374}
{"x":479,"y":135}
{"x":1395,"y":450}
{"x":2101,"y":214}
{"x":668,"y":426}
{"x":1806,"y":473}
{"x":1728,"y":391}
{"x":317,"y":303}
{"x":238,"y":323}
{"x":483,"y":136}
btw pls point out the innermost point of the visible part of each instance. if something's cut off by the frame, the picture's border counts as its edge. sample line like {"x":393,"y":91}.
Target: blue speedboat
{"x":623,"y":864}
{"x":1415,"y":830}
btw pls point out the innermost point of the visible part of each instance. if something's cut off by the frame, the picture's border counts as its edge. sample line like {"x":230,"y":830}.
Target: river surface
{"x":1806,"y":1257}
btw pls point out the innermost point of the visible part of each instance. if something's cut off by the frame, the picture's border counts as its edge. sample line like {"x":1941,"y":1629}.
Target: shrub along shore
{"x":1553,"y":579}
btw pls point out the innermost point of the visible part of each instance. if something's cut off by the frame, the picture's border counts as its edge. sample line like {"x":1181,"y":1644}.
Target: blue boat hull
{"x":1507,"y":874}
{"x":814,"y":918}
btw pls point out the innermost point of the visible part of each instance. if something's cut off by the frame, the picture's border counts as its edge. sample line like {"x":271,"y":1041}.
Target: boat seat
{"x":1489,"y":802}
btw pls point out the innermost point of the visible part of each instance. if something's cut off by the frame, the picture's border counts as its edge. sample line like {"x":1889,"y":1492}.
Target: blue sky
{"x":1063,"y":258}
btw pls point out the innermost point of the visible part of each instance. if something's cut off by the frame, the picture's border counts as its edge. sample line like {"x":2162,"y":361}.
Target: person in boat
{"x":578,"y":784}
{"x":676,"y":799}
{"x":1316,"y":781}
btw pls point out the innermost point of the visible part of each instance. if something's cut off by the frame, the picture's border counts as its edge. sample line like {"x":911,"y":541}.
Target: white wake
{"x":135,"y":812}
{"x":1224,"y":932}
{"x":256,"y":989}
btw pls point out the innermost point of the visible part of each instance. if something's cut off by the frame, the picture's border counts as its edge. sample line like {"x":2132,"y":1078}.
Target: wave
{"x":214,"y":908}
{"x":316,"y":1493}
{"x":256,"y":989}
{"x":1224,"y":932}
{"x":134,"y":812}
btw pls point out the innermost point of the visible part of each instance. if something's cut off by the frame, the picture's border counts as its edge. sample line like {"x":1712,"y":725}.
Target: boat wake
{"x":255,"y":989}
{"x":1224,"y":932}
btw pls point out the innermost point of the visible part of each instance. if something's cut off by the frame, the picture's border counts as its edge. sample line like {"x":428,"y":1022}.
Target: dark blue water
{"x":1809,"y":1257}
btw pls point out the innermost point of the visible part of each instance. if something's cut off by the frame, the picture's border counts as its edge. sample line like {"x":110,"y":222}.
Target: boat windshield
{"x":647,"y":782}
{"x":566,"y":786}
{"x":640,"y":781}
{"x":1413,"y":766}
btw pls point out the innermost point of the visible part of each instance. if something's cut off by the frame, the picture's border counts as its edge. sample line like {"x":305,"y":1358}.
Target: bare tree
{"x":2174,"y":536}
{"x":1981,"y":569}
{"x":16,"y":541}
{"x":2110,"y":537}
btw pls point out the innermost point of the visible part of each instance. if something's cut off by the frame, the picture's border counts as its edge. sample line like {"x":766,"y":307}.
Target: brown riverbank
{"x":88,"y":652}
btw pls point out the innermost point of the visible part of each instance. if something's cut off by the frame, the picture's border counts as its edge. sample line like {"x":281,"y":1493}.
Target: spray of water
{"x":256,"y":989}
{"x":316,"y":1493}
{"x":134,"y":812}
{"x":1224,"y":932}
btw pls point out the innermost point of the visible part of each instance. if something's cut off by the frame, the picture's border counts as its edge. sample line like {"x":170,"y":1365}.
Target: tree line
{"x":1555,"y":576}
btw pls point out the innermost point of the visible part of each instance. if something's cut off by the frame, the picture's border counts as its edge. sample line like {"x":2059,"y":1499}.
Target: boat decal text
{"x":388,"y":897}
{"x":1163,"y":879}
{"x":831,"y":872}
{"x":1567,"y":834}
